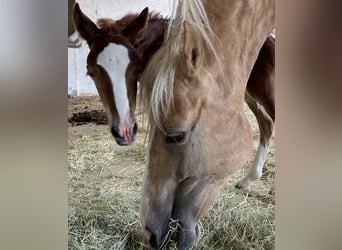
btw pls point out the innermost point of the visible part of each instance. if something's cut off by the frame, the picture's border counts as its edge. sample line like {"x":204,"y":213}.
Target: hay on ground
{"x":104,"y":193}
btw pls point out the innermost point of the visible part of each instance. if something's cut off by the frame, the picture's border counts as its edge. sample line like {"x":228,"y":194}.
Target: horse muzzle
{"x":183,"y":232}
{"x":126,"y":137}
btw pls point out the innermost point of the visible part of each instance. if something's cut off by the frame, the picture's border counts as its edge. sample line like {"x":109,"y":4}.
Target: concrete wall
{"x":78,"y":82}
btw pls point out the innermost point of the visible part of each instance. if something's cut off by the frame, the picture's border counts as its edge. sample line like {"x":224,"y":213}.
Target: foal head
{"x":118,"y":53}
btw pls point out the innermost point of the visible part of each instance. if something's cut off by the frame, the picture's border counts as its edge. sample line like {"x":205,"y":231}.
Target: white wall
{"x":78,"y":82}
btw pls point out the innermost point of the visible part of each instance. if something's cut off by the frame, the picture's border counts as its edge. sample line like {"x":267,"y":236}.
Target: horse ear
{"x":193,"y":50}
{"x":84,"y":26}
{"x":136,"y":28}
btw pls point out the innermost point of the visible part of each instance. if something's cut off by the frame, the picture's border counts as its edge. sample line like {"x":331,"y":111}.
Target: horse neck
{"x":241,"y":31}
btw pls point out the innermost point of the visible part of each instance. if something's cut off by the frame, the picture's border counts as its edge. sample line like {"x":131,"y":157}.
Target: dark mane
{"x":109,"y":25}
{"x":153,"y":36}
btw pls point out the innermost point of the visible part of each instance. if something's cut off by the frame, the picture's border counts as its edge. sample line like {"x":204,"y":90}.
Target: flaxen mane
{"x":158,"y":78}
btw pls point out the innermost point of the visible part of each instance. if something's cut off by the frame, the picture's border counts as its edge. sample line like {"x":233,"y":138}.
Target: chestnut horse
{"x":194,"y":90}
{"x":142,"y":36}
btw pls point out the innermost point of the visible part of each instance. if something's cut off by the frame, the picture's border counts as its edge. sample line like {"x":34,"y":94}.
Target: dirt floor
{"x":85,"y":116}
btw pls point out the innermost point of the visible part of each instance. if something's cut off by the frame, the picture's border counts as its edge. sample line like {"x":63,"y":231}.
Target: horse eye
{"x":177,"y":137}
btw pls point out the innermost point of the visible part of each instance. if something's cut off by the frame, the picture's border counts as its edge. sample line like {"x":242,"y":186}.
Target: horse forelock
{"x":110,"y":25}
{"x":158,"y":78}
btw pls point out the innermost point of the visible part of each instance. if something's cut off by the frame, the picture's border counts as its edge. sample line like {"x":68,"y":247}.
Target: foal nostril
{"x":135,"y":129}
{"x":115,"y":133}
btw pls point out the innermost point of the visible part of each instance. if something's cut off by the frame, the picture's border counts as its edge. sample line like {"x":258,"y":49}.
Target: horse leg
{"x":259,"y":97}
{"x":266,"y":125}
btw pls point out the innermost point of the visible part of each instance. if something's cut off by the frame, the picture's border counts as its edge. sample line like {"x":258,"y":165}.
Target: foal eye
{"x":177,"y":137}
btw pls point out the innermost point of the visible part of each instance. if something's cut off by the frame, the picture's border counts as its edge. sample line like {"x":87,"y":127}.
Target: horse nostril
{"x":135,"y":129}
{"x":115,"y":133}
{"x":153,"y":241}
{"x":147,"y":234}
{"x":151,"y":238}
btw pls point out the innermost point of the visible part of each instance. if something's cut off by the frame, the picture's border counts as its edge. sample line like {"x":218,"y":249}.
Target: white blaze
{"x":114,"y":59}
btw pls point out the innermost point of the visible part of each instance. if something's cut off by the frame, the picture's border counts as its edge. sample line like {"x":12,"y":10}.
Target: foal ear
{"x":84,"y":26}
{"x":193,"y":50}
{"x":136,"y":28}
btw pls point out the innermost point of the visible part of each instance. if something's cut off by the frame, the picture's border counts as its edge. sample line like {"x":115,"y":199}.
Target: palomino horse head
{"x":119,"y":50}
{"x":194,"y":87}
